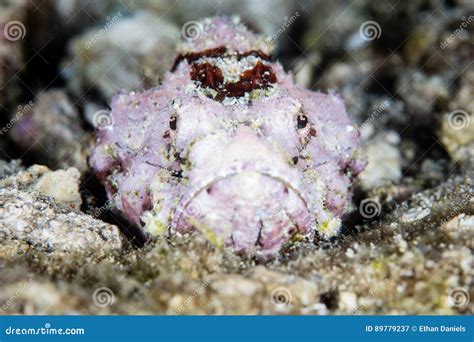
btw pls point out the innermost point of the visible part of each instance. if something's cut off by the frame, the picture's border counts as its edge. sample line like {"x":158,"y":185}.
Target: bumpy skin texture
{"x":228,"y":145}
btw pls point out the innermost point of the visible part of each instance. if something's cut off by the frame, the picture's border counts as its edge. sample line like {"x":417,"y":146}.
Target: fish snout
{"x":246,"y":196}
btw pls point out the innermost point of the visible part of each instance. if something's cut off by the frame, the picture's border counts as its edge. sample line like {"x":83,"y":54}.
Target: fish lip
{"x":186,"y":199}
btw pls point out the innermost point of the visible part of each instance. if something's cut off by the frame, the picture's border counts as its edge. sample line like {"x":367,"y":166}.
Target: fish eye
{"x":301,"y":121}
{"x":173,"y":122}
{"x":177,"y":173}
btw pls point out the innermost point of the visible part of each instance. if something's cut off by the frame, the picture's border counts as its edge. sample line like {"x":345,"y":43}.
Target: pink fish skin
{"x":228,"y":146}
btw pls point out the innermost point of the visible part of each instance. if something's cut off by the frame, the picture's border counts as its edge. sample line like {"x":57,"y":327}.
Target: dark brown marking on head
{"x":261,"y":76}
{"x":218,"y":52}
{"x":210,"y":76}
{"x":194,"y":56}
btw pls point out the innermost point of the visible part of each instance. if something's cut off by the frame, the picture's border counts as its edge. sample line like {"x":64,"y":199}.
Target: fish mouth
{"x":249,"y":210}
